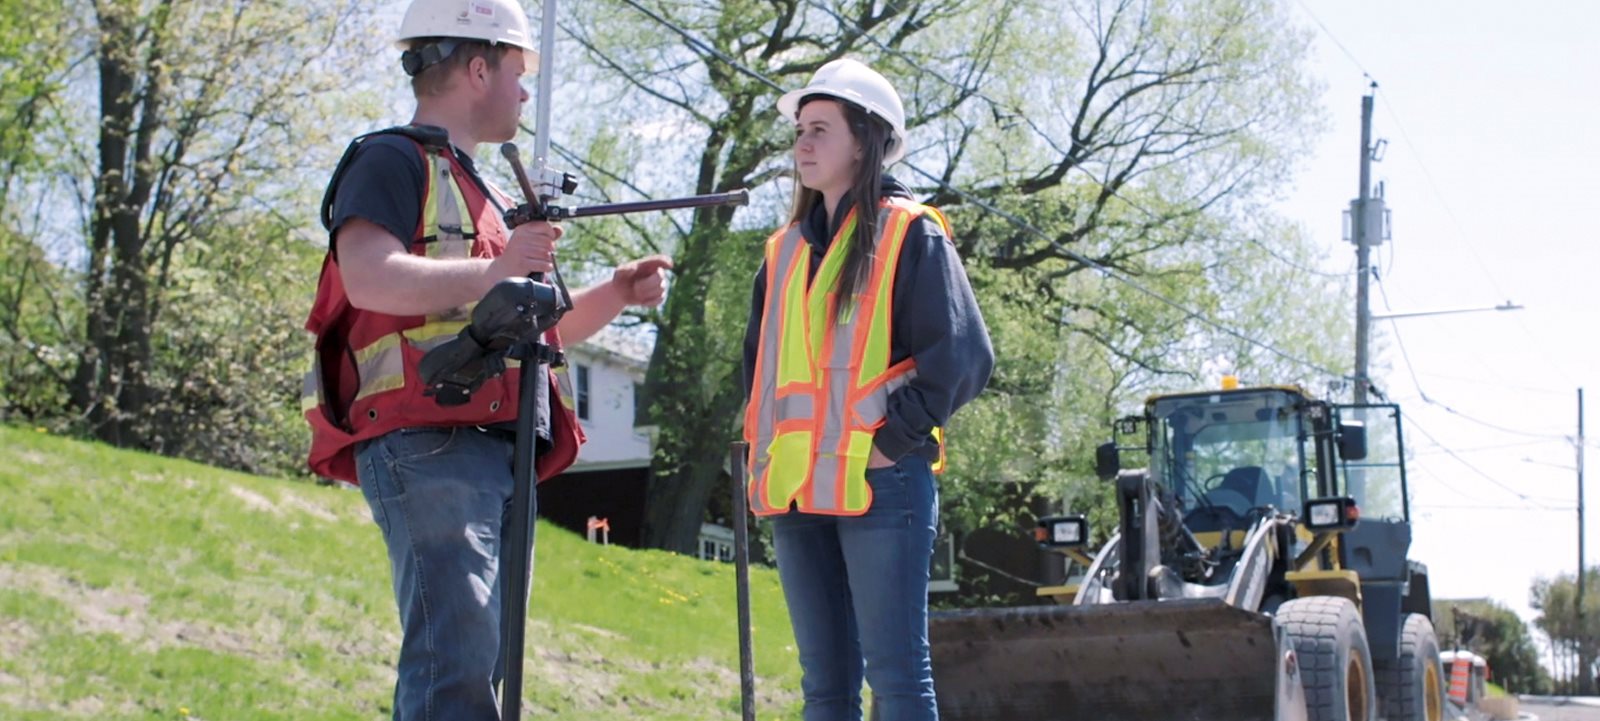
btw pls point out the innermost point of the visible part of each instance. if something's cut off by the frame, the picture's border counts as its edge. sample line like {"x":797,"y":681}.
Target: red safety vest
{"x":363,"y":380}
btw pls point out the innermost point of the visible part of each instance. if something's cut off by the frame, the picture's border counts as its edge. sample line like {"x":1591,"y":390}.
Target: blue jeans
{"x":441,"y":496}
{"x":857,"y":589}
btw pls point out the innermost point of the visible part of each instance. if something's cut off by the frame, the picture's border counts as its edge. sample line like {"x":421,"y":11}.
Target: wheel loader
{"x":1258,"y":571}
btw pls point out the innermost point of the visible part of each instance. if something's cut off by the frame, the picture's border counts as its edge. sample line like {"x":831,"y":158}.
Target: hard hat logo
{"x":853,"y":82}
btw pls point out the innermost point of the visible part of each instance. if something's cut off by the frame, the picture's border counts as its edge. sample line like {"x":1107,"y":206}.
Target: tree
{"x":1133,"y":134}
{"x":188,"y":137}
{"x":33,"y":61}
{"x":1493,"y":631}
{"x":1576,"y":642}
{"x":677,"y":55}
{"x":185,"y":145}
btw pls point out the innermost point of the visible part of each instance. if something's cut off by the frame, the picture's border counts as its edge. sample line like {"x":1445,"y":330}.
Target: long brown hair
{"x":874,"y":135}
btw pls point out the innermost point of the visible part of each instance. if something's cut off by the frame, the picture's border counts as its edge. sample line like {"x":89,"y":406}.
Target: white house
{"x":612,"y":473}
{"x":606,"y":373}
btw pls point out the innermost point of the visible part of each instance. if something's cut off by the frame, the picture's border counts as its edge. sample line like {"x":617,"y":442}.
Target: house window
{"x":715,"y":550}
{"x":638,"y":398}
{"x":582,"y":390}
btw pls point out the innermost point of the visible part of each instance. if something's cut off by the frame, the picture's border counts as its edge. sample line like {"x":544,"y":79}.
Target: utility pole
{"x":1366,"y":231}
{"x":1585,"y":662}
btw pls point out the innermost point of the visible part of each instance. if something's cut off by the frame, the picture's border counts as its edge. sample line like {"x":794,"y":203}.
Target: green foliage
{"x":157,"y":306}
{"x":1156,"y":162}
{"x":1490,"y":629}
{"x":1575,"y":636}
{"x":136,"y":587}
{"x":37,"y":313}
{"x":230,"y":354}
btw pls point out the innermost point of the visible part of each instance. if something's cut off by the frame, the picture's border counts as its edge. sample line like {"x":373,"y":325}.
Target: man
{"x":416,"y":237}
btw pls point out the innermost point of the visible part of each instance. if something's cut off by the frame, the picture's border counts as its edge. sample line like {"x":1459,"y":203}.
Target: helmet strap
{"x":418,"y":59}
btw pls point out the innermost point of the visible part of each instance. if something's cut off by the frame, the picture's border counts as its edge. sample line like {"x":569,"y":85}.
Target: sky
{"x":1492,"y":173}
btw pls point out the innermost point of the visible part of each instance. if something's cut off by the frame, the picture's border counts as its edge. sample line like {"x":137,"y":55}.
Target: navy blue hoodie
{"x":936,"y":321}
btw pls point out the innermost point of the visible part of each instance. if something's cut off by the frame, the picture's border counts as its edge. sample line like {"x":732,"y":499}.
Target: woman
{"x":864,"y":337}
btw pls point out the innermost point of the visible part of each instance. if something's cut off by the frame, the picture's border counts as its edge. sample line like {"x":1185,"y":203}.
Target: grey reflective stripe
{"x":825,"y":481}
{"x":875,"y":407}
{"x":382,"y":369}
{"x":794,"y":406}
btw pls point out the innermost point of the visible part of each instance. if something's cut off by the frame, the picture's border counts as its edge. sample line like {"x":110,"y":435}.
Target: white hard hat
{"x":853,"y":81}
{"x":491,"y":21}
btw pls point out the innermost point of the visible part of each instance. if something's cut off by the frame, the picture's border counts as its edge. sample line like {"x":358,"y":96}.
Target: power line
{"x":1447,"y":485}
{"x":1502,"y":485}
{"x":1017,"y":222}
{"x":1487,"y":507}
{"x":1335,"y":39}
{"x":1496,"y":447}
{"x":1292,"y":264}
{"x":1439,"y":197}
{"x":1497,"y":384}
{"x":1412,"y":369}
{"x":1433,"y":185}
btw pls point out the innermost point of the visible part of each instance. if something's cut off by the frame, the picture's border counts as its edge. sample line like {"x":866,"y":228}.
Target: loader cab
{"x":1231,"y":456}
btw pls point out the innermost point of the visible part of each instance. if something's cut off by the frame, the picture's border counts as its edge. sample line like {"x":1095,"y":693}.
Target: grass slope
{"x":136,"y":587}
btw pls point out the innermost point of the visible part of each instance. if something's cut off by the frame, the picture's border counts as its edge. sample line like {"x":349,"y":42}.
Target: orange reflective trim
{"x":797,"y":389}
{"x":792,"y":425}
{"x":886,"y":259}
{"x":754,"y":406}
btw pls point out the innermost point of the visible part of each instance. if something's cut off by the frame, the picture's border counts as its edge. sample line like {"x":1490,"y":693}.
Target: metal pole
{"x":737,"y":453}
{"x":1363,"y":253}
{"x":516,"y":543}
{"x":1585,"y":663}
{"x":547,"y":79}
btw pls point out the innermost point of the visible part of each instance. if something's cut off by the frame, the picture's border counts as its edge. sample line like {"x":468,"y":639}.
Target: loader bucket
{"x":1179,"y":660}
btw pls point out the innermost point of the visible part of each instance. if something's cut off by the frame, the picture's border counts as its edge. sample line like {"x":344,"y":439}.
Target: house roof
{"x":632,"y":346}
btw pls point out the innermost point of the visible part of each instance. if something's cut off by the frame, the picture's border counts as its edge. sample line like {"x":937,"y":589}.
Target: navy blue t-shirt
{"x":384,"y":185}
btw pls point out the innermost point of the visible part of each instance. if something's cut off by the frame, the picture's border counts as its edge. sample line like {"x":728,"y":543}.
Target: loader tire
{"x":1411,"y":686}
{"x":1335,"y":661}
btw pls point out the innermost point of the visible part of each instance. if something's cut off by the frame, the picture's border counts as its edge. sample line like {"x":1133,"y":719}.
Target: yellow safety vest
{"x":821,"y":386}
